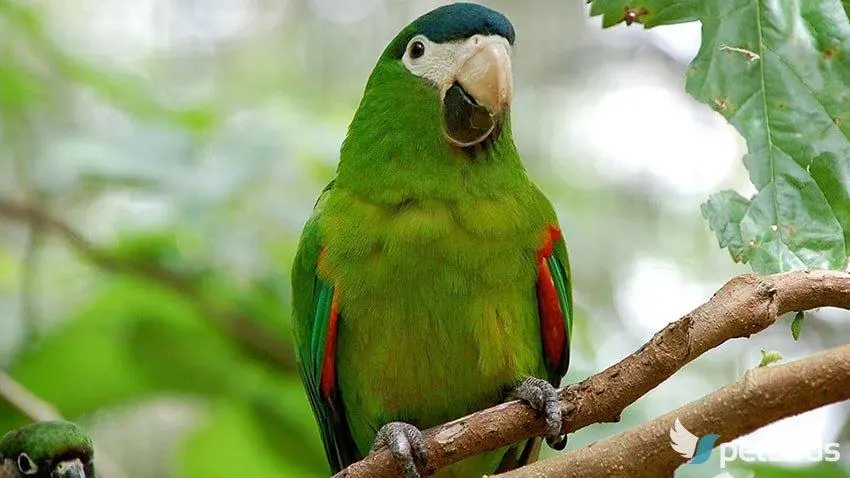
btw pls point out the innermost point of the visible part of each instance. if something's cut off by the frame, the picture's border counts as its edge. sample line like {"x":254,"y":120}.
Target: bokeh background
{"x":159,"y":157}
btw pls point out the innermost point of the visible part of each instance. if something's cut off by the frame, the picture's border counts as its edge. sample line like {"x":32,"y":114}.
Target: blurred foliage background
{"x":159,"y":157}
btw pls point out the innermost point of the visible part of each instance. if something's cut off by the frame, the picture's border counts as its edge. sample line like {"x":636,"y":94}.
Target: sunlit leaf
{"x":779,"y":72}
{"x":648,"y":12}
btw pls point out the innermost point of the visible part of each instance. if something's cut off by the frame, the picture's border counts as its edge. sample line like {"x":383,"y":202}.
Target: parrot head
{"x":445,"y":77}
{"x":462,"y":51}
{"x":54,"y":449}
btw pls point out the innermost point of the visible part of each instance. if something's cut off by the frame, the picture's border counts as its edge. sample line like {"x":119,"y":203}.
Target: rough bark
{"x":745,"y":305}
{"x":762,"y":396}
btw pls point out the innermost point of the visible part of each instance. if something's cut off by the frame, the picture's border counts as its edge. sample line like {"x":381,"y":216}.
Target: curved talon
{"x":407,"y":446}
{"x":557,"y":443}
{"x":543,"y":397}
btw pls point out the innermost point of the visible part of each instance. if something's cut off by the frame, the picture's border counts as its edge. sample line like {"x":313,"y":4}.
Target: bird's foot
{"x":407,"y":446}
{"x":543,"y":397}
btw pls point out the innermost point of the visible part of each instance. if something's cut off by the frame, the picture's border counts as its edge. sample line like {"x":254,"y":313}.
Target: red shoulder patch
{"x":329,"y":357}
{"x":552,"y":329}
{"x":550,"y":236}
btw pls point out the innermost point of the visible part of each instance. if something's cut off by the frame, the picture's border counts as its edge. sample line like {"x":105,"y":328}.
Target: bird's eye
{"x":26,"y":465}
{"x":417,"y":49}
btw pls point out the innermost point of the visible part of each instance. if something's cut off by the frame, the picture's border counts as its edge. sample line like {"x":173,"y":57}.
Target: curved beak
{"x":485,"y":72}
{"x":69,"y":469}
{"x":479,"y":93}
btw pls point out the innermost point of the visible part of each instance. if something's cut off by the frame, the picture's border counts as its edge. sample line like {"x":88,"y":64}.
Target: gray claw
{"x":543,"y":397}
{"x":407,"y":446}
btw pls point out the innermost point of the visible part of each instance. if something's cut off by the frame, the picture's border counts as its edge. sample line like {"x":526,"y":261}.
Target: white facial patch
{"x":440,"y":62}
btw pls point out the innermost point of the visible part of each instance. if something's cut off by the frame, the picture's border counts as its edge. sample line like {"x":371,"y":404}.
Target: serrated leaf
{"x":650,"y":13}
{"x":768,"y":357}
{"x":832,"y":174}
{"x":797,"y":325}
{"x":724,"y":211}
{"x":780,"y":73}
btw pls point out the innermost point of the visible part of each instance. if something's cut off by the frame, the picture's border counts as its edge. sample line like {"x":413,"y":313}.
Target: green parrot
{"x":55,"y":449}
{"x":432,"y":279}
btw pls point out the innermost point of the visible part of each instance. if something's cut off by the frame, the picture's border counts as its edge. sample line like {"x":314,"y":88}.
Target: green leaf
{"x":823,"y":469}
{"x":131,"y":341}
{"x":650,"y":13}
{"x":232,"y":443}
{"x":780,"y":73}
{"x":768,"y":357}
{"x":725,"y":211}
{"x":832,"y":174}
{"x":797,"y":325}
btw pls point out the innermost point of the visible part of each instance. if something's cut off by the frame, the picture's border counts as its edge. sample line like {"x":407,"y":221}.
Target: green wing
{"x":554,"y":295}
{"x":559,"y":265}
{"x":314,"y":323}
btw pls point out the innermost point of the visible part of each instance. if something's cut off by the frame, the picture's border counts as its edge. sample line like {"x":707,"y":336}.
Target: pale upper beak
{"x":484,"y":72}
{"x":69,"y":469}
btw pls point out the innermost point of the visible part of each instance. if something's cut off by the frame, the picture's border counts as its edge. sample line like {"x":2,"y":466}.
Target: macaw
{"x":432,"y":280}
{"x":53,"y":449}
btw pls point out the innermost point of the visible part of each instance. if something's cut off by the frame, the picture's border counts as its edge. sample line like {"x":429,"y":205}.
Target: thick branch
{"x":252,"y":336}
{"x":37,"y":410}
{"x":745,"y":305}
{"x":758,"y":398}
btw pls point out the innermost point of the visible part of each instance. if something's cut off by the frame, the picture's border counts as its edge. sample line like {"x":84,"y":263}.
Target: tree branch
{"x":255,"y":338}
{"x":758,"y":398}
{"x":745,"y":305}
{"x":25,"y":401}
{"x":37,"y":410}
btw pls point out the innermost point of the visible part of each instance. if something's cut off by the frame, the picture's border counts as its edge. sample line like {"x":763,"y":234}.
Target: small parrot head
{"x":54,"y":449}
{"x":449,"y":73}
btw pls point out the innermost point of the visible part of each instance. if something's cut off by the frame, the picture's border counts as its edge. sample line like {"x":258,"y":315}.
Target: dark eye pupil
{"x":25,"y":464}
{"x":417,"y":49}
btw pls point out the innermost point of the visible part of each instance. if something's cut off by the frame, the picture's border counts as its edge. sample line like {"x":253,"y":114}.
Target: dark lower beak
{"x":465,"y":122}
{"x":69,"y":469}
{"x":481,"y":93}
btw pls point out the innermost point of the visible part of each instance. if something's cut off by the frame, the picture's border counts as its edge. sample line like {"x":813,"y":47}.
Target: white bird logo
{"x":696,"y":450}
{"x":683,"y":441}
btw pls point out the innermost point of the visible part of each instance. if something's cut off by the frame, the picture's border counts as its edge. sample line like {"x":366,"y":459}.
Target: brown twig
{"x":37,"y":410}
{"x":26,"y":402}
{"x":255,"y":338}
{"x":745,"y":305}
{"x":758,"y":398}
